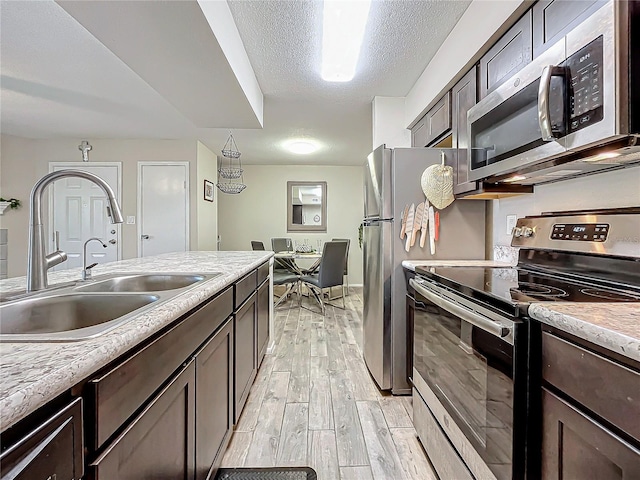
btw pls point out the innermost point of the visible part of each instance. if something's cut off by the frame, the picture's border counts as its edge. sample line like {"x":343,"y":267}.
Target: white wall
{"x":259,"y":212}
{"x":388,"y":123}
{"x":23,"y":161}
{"x":207,"y":225}
{"x":620,"y":188}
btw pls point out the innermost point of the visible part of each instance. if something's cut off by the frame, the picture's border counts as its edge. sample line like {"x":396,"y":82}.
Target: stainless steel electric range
{"x":471,"y":333}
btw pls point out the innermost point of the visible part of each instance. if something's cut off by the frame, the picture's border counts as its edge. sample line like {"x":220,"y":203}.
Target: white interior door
{"x":163,"y":208}
{"x":79,"y":211}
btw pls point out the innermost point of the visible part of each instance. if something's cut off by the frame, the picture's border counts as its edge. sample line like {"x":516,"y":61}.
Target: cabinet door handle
{"x":144,"y":237}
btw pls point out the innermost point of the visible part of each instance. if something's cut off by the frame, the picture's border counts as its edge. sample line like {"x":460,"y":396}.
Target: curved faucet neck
{"x":37,"y":261}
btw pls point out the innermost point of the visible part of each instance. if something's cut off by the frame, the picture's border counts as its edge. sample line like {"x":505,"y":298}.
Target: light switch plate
{"x":131,"y":220}
{"x":511,"y":223}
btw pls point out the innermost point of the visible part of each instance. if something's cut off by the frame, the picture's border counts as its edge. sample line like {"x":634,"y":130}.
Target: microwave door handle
{"x":483,"y":323}
{"x":544,"y":114}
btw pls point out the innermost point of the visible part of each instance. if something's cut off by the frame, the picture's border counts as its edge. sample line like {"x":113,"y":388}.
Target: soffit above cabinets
{"x":172,"y":47}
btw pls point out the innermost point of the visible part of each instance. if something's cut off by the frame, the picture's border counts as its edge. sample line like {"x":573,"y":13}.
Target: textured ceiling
{"x":58,"y":80}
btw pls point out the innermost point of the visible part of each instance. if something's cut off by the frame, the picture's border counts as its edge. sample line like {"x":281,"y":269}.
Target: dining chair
{"x":256,"y":245}
{"x":282,"y":245}
{"x":346,"y":262}
{"x":287,"y":278}
{"x":330,"y":272}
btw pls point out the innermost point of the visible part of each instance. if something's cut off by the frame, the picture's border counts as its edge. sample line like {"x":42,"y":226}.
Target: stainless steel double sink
{"x":84,"y":310}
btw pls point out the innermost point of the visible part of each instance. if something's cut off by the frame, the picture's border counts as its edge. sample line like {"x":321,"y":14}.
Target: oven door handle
{"x":544,"y":113}
{"x":475,"y":319}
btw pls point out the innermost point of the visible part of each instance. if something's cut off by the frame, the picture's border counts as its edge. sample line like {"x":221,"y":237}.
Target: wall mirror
{"x":306,"y":206}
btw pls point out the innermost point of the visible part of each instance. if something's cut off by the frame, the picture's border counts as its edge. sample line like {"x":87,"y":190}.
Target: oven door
{"x":466,"y":356}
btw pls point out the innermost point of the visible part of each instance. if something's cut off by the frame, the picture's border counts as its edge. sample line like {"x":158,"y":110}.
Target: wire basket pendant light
{"x":230,"y":172}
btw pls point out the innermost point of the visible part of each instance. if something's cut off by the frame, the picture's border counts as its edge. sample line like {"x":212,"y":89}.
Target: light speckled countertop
{"x":615,"y":326}
{"x":31,"y":374}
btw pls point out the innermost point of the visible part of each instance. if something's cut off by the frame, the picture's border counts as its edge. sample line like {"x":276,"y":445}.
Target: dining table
{"x":294,"y":257}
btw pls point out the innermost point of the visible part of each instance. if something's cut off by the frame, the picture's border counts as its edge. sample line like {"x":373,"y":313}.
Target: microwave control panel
{"x":585,"y":89}
{"x":581,"y":232}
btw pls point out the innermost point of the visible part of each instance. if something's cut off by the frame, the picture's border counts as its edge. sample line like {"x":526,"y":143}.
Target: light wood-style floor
{"x":314,"y":404}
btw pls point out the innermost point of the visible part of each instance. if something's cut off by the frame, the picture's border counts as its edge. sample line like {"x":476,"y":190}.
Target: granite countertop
{"x":412,"y":264}
{"x":615,"y":326}
{"x":31,"y":374}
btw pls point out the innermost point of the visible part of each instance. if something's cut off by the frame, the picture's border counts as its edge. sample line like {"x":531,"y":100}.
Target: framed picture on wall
{"x":208,"y":190}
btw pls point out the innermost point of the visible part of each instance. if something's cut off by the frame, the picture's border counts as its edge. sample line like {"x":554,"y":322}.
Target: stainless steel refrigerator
{"x":392,"y":180}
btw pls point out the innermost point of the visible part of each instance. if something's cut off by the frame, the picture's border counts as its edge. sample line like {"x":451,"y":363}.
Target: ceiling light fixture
{"x":343,"y":25}
{"x":301,"y":147}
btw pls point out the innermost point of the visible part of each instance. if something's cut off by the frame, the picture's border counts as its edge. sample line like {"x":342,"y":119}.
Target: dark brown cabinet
{"x":164,"y":410}
{"x":590,"y":407}
{"x":463,"y":97}
{"x":509,"y":54}
{"x":574,"y":445}
{"x":159,"y":442}
{"x":262,"y":324}
{"x":245,"y":361}
{"x":434,"y":125}
{"x":552,"y":19}
{"x":52,"y":450}
{"x":214,"y":400}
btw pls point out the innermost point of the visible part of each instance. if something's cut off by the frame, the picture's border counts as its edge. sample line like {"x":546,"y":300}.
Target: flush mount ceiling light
{"x":343,"y":25}
{"x":301,"y":147}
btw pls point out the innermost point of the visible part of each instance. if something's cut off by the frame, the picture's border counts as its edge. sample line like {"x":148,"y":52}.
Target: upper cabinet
{"x":512,"y":52}
{"x":552,"y":19}
{"x":463,"y":97}
{"x":434,"y":125}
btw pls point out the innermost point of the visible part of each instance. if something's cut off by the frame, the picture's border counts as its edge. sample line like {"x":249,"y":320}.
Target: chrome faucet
{"x":38,"y":262}
{"x":86,"y":271}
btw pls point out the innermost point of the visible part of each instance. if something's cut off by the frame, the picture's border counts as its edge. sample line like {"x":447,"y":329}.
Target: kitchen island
{"x":34,"y":374}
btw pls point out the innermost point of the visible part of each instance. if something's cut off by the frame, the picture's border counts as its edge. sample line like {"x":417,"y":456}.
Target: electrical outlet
{"x":511,"y":223}
{"x":131,"y":220}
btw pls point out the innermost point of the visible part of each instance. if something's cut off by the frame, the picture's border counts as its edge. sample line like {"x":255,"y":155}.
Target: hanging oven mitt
{"x":425,"y":222}
{"x":409,"y":227}
{"x":437,"y":184}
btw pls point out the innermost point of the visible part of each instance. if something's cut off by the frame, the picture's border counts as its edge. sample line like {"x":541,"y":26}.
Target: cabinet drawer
{"x":263,"y":273}
{"x":53,"y":450}
{"x":607,"y":388}
{"x":121,"y":391}
{"x":512,"y":52}
{"x":245,"y":287}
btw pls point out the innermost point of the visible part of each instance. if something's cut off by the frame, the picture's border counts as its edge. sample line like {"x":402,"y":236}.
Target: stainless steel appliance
{"x":392,"y":180}
{"x":472,"y":364}
{"x":575,"y":103}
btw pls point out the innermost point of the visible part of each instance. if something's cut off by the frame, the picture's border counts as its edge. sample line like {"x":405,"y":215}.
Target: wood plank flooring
{"x":314,"y":404}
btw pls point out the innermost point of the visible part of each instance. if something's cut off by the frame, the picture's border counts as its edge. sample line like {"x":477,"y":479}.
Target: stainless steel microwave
{"x":573,"y":103}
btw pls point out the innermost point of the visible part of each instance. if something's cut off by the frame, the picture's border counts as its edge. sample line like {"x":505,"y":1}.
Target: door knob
{"x":112,"y":241}
{"x":144,"y":237}
{"x":113,"y":232}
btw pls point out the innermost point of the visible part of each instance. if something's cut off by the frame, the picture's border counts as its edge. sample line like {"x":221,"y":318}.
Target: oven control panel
{"x":581,"y":232}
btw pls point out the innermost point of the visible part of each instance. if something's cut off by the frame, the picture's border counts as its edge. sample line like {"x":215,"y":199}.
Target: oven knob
{"x":527,"y":231}
{"x":517,"y":232}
